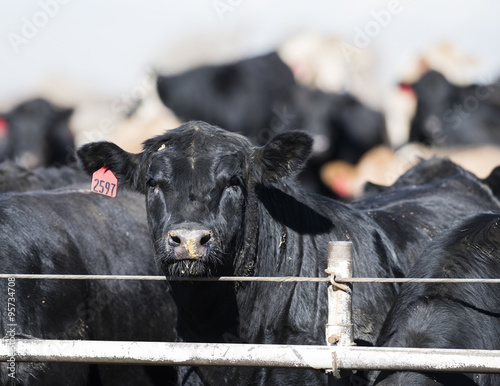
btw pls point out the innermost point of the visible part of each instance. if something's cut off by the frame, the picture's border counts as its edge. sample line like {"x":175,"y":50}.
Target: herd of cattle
{"x":200,"y":200}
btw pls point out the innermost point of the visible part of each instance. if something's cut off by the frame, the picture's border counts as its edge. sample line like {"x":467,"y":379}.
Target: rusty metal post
{"x":339,"y":328}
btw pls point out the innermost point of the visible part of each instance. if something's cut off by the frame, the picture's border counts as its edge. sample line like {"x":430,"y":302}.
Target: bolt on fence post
{"x":339,"y":328}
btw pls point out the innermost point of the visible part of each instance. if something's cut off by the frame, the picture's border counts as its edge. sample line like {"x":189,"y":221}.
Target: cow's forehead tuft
{"x":193,"y":138}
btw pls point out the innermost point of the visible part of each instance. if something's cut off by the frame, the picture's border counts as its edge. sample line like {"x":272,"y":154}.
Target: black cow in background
{"x":37,"y":134}
{"x":17,"y":178}
{"x":450,"y":115}
{"x":342,"y":129}
{"x":449,"y":315}
{"x":218,"y":205}
{"x":240,"y":96}
{"x":75,"y":231}
{"x":259,"y":98}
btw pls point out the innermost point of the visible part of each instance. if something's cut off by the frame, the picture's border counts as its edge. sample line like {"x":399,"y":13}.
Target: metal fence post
{"x":339,"y":328}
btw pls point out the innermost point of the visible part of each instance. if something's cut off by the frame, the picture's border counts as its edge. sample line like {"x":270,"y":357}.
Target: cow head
{"x":200,"y":183}
{"x":38,"y":135}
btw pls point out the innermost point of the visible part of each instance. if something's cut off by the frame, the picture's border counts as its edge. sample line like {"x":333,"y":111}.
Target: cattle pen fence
{"x":338,"y":354}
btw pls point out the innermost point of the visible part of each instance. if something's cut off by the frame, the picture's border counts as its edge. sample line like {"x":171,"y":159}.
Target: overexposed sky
{"x":104,"y":47}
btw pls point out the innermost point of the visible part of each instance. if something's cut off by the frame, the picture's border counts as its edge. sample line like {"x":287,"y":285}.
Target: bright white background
{"x":101,"y":48}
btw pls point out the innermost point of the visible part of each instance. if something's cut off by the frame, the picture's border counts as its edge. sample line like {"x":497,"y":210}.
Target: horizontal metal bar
{"x":417,"y":280}
{"x":418,"y":359}
{"x":283,"y":279}
{"x":163,"y":278}
{"x":215,"y":354}
{"x":166,"y":353}
{"x":80,"y":277}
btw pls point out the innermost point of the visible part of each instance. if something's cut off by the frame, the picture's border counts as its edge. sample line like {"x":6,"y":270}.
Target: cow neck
{"x":284,"y":244}
{"x":276,"y":217}
{"x":207,"y":311}
{"x":287,"y":221}
{"x":244,"y":262}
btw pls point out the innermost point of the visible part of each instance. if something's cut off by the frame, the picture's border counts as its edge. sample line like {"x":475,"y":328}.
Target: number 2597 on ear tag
{"x":104,"y":182}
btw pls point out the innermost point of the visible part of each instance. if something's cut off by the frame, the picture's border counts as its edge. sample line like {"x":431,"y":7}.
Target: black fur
{"x":461,"y":316}
{"x":16,"y":178}
{"x":493,"y":181}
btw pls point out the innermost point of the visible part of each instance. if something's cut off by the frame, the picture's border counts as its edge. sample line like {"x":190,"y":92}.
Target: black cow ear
{"x":284,"y":155}
{"x":493,"y":181}
{"x":124,"y":165}
{"x":163,"y":88}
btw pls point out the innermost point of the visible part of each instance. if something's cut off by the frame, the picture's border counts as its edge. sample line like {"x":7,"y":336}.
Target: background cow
{"x":37,"y":134}
{"x":342,"y":129}
{"x":449,"y":315}
{"x":79,"y":232}
{"x":240,"y":96}
{"x":450,"y":115}
{"x":217,"y":205}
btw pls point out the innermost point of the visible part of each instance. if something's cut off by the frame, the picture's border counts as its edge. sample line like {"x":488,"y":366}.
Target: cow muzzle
{"x":189,"y":243}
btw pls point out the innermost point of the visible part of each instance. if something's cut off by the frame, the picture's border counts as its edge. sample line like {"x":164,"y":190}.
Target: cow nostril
{"x":205,"y":239}
{"x":175,"y":239}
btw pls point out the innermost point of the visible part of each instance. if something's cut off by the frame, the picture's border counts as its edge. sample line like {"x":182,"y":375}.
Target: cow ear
{"x":65,"y":114}
{"x":284,"y":155}
{"x":124,"y":165}
{"x":493,"y":181}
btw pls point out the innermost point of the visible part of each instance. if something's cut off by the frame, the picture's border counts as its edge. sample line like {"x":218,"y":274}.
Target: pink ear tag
{"x":104,"y":182}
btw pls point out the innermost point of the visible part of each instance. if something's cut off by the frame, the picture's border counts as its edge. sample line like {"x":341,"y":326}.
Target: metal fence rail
{"x":283,"y":279}
{"x":236,"y":354}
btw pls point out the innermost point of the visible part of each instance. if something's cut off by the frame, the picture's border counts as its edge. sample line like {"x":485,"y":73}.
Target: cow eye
{"x":151,"y":182}
{"x":234,"y":181}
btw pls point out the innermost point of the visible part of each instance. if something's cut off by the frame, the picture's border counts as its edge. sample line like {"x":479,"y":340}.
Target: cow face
{"x":199,"y":183}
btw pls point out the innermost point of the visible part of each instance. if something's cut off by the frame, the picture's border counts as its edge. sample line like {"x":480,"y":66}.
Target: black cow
{"x":217,"y":205}
{"x":341,"y":126}
{"x":240,"y":96}
{"x":17,"y":178}
{"x":79,"y":232}
{"x":450,"y":115}
{"x":37,"y":134}
{"x":449,"y":315}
